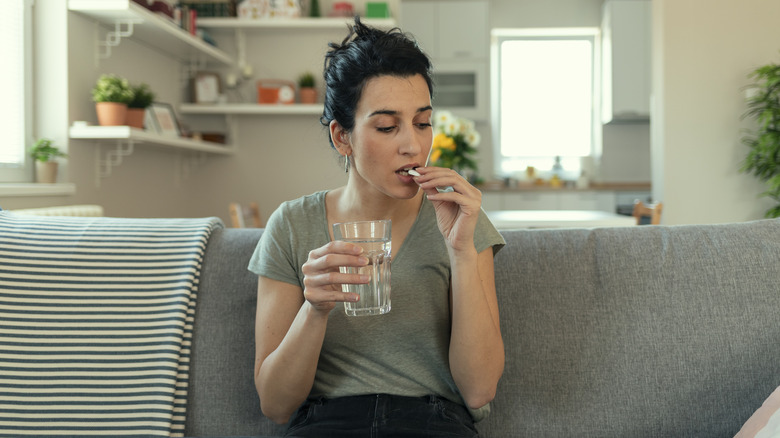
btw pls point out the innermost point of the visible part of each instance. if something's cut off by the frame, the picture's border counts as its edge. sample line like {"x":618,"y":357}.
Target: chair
{"x":647,"y":214}
{"x":245,"y":216}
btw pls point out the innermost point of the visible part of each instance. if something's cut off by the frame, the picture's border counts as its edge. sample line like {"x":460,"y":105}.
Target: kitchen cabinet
{"x":456,"y":35}
{"x":450,"y":29}
{"x":530,"y":201}
{"x":551,"y":199}
{"x":587,"y":200}
{"x":626,"y":60}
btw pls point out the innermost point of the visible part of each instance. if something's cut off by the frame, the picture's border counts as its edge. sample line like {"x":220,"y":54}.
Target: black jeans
{"x":381,"y":415}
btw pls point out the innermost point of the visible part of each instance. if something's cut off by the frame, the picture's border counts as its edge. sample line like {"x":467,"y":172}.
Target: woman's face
{"x":392,"y":134}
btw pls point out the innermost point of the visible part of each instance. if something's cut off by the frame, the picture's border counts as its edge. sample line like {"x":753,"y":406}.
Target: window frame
{"x":500,"y":35}
{"x":23,"y":172}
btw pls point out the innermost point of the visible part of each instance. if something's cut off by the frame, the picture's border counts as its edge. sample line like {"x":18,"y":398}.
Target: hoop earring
{"x":346,"y":163}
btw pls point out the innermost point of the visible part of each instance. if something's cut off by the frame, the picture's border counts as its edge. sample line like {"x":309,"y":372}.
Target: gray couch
{"x":653,"y":331}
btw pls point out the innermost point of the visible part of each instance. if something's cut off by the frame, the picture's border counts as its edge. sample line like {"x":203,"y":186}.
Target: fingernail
{"x":354,"y":297}
{"x":364,"y":278}
{"x":357,"y":249}
{"x":364,"y":260}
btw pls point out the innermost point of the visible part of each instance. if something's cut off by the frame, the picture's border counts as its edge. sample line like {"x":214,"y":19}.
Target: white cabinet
{"x":530,"y":201}
{"x":587,"y":200}
{"x":449,"y":29}
{"x":626,"y":57}
{"x":597,"y":200}
{"x":456,"y":35}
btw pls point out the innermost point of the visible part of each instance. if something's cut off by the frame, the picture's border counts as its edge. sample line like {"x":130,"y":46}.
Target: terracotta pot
{"x":135,"y":117}
{"x":308,"y":95}
{"x":46,"y":172}
{"x":111,"y":113}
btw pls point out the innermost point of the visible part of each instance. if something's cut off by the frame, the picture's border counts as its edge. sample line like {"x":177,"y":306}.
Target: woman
{"x":432,"y":364}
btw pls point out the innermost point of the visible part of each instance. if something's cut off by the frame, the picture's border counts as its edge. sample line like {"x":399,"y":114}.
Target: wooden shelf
{"x":293,"y":23}
{"x":126,"y":133}
{"x":252,"y":109}
{"x":151,"y":29}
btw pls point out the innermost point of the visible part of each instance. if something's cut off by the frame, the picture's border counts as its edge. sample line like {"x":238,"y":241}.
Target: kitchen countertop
{"x":530,"y":187}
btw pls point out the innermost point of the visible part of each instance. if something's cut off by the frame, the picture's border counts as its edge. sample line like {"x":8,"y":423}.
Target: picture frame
{"x":161,"y":119}
{"x":206,"y":87}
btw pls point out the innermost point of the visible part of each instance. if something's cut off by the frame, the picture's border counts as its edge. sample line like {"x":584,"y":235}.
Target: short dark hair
{"x":366,"y":53}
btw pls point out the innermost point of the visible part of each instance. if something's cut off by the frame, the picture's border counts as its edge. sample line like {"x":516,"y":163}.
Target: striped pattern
{"x":96,"y":321}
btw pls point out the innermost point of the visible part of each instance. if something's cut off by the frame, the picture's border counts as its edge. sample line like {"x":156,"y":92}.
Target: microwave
{"x":461,"y":87}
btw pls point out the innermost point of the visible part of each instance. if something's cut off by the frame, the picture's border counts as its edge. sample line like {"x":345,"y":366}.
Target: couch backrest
{"x":222,"y":399}
{"x":637,"y":332}
{"x":613,"y":332}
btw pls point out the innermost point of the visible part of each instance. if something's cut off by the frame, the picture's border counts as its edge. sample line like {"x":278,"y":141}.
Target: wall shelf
{"x":123,"y":140}
{"x":149,"y":28}
{"x":126,"y":133}
{"x":252,"y":109}
{"x":292,"y":23}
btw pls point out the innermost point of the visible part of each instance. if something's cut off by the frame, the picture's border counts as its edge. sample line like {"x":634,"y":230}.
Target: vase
{"x":308,"y":95}
{"x":111,"y":113}
{"x":46,"y":172}
{"x":135,"y":117}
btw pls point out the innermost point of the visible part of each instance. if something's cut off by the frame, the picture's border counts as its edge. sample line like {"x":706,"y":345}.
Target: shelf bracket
{"x":241,"y":47}
{"x":232,"y":128}
{"x":186,"y":165}
{"x":114,"y":37}
{"x":112,"y":158}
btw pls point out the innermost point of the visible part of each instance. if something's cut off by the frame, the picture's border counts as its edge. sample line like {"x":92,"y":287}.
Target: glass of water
{"x":374,"y":238}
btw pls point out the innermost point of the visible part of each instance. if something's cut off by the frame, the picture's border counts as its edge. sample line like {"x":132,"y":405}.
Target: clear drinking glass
{"x":374,"y":237}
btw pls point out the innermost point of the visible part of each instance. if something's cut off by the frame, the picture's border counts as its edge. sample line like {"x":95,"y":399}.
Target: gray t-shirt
{"x":404,"y":352}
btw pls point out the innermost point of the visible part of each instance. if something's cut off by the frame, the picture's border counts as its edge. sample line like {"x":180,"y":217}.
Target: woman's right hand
{"x":322,"y":279}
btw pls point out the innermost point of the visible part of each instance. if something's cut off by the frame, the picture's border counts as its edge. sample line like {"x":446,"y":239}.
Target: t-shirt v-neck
{"x":394,"y":252}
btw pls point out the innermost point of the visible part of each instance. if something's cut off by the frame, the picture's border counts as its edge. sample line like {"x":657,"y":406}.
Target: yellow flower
{"x":441,"y":141}
{"x":435,"y":155}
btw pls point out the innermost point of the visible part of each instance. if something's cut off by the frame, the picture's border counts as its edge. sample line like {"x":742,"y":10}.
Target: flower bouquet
{"x":454,"y":142}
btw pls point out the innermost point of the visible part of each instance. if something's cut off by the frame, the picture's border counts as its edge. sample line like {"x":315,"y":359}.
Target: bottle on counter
{"x":583,"y":182}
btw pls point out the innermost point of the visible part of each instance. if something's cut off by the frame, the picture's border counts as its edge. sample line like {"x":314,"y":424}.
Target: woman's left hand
{"x":457,"y":210}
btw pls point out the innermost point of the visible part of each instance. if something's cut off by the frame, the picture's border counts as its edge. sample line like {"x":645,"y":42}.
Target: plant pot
{"x":308,"y":95}
{"x":111,"y":113}
{"x":135,"y":117}
{"x":46,"y":172}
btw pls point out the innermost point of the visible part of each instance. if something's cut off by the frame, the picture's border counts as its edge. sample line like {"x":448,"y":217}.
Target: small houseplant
{"x":306,"y":87}
{"x":763,"y":159}
{"x":112,"y":94}
{"x":136,"y":109}
{"x":44,"y":153}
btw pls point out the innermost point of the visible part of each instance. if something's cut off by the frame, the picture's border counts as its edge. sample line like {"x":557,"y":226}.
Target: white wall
{"x":704,"y":50}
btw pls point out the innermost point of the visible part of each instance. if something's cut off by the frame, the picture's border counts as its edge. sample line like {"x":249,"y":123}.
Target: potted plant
{"x":763,"y":159}
{"x":111,"y":95}
{"x":44,"y":154}
{"x":136,"y":109}
{"x":306,"y":88}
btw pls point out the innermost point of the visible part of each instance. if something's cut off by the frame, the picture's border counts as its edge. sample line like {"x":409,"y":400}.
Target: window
{"x":544,"y":96}
{"x":16,"y":77}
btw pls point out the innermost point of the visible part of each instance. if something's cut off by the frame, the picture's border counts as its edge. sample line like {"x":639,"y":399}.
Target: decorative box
{"x":257,"y":9}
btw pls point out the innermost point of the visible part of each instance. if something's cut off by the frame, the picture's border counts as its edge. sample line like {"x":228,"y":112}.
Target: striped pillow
{"x":96,"y":321}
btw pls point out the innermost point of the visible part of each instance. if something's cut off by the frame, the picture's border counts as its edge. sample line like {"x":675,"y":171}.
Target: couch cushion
{"x":222,"y":397}
{"x":637,"y":331}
